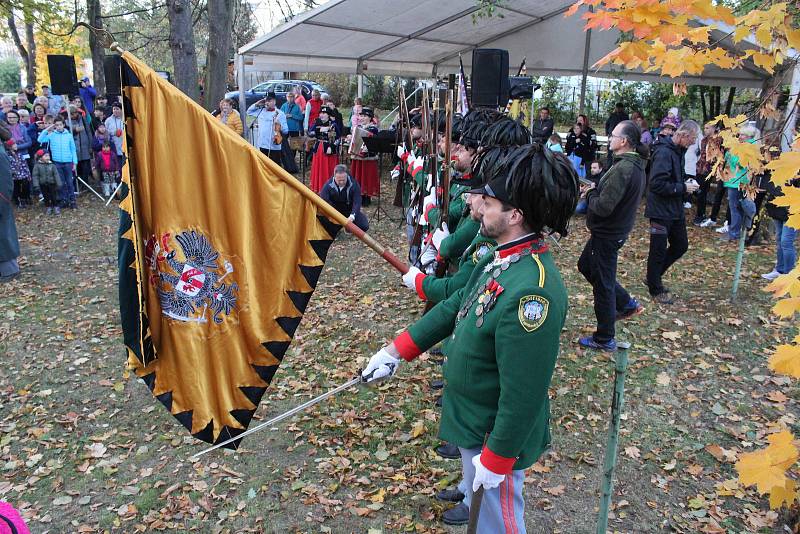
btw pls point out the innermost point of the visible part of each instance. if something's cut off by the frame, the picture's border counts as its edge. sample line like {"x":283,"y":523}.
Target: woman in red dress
{"x":364,"y":167}
{"x":326,"y":148}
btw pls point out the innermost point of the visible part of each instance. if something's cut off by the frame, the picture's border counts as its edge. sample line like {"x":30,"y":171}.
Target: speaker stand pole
{"x":93,"y":191}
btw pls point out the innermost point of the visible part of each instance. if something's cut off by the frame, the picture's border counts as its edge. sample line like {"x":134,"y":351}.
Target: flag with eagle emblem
{"x":219,"y":254}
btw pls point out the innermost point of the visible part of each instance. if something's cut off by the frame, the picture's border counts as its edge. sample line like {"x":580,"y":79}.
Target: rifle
{"x":419,"y":199}
{"x":444,"y":211}
{"x":403,"y":131}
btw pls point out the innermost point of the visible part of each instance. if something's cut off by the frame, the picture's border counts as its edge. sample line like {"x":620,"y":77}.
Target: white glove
{"x":395,"y":174}
{"x":401,"y":149}
{"x":381,"y":365}
{"x":429,"y":200}
{"x":429,"y":185}
{"x":410,"y":278}
{"x":429,"y":256}
{"x":352,"y":217}
{"x":484,"y":477}
{"x":439,"y":235}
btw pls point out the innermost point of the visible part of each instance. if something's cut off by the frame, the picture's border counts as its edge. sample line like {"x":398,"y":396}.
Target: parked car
{"x":279,"y":87}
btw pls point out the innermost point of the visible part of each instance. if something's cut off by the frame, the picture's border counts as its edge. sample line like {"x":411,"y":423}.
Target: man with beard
{"x":504,"y":328}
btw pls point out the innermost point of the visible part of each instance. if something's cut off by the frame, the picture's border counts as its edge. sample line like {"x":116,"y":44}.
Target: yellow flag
{"x":219,"y":255}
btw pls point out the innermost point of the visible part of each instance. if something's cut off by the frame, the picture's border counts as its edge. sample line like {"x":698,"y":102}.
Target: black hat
{"x":326,"y":109}
{"x":505,"y":132}
{"x":270,"y":96}
{"x":368,"y":112}
{"x":496,"y":188}
{"x":415,"y":120}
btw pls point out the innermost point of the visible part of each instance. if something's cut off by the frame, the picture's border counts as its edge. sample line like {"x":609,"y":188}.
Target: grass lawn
{"x":85,"y":448}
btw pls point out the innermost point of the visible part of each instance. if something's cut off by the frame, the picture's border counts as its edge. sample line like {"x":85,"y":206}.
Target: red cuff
{"x":495,"y":463}
{"x":418,"y":285}
{"x":428,"y":210}
{"x":405,"y":155}
{"x":406,"y":347}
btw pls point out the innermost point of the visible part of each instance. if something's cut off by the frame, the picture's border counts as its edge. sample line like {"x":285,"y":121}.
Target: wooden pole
{"x":321,"y":205}
{"x":610,"y":461}
{"x":739,"y":258}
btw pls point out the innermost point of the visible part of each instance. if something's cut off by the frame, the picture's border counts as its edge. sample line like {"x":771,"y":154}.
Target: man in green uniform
{"x":504,"y":327}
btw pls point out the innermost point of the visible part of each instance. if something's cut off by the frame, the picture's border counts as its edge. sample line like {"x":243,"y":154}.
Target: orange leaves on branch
{"x":676,"y":46}
{"x":766,"y":468}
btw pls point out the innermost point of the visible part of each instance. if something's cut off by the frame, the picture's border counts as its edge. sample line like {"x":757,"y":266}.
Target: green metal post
{"x":739,"y":258}
{"x":610,"y":461}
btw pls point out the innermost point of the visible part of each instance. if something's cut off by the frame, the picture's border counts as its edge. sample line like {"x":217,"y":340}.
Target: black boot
{"x":457,"y":515}
{"x":448,"y":450}
{"x":450,"y":495}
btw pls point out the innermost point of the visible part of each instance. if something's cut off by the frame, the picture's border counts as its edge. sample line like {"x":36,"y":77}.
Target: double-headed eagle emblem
{"x":188,"y":289}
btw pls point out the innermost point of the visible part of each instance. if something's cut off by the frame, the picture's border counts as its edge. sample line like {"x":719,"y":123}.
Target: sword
{"x":296,"y":409}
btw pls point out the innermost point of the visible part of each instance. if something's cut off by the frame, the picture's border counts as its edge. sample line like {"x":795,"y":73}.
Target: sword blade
{"x":284,"y":415}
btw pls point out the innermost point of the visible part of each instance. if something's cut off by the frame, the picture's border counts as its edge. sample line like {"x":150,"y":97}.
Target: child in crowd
{"x":554,"y":143}
{"x":107,"y":164}
{"x":673,"y":117}
{"x":48,"y":180}
{"x":596,"y":172}
{"x":100,"y":136}
{"x":20,"y":173}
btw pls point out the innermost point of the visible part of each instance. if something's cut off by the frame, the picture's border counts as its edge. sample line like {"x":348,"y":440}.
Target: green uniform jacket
{"x":435,"y":289}
{"x":500,"y":360}
{"x":454,"y":245}
{"x":455,"y":210}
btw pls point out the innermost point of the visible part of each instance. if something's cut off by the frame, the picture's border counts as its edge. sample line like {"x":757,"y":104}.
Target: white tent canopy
{"x":424,"y":38}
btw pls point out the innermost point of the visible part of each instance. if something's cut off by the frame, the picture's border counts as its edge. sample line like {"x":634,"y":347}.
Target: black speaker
{"x":489,"y":77}
{"x":63,"y":78}
{"x":522,"y":87}
{"x":111,"y":69}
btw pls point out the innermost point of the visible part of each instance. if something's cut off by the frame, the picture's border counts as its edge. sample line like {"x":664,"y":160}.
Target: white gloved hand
{"x":429,"y":200}
{"x":401,"y":149}
{"x":410,"y":278}
{"x":381,"y":365}
{"x":395,"y":174}
{"x":352,"y":217}
{"x":483,"y":476}
{"x":429,"y":256}
{"x":439,"y":235}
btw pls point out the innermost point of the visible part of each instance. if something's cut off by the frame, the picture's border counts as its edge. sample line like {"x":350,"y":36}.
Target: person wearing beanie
{"x":107,"y":164}
{"x":503,"y":329}
{"x":20,"y":174}
{"x":47,"y":179}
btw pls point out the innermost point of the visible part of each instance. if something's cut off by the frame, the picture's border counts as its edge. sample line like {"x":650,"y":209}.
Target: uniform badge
{"x":532,"y":311}
{"x":189,"y":287}
{"x":482,"y":250}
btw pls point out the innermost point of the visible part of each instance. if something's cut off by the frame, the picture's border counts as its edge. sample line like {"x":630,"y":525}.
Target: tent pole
{"x":242,"y":99}
{"x":585,"y":70}
{"x":787,"y":136}
{"x":360,"y":86}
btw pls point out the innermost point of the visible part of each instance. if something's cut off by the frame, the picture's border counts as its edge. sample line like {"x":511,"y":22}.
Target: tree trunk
{"x":181,"y":43}
{"x":703,"y":103}
{"x":219,"y":45}
{"x":717,"y":100}
{"x":28,"y":54}
{"x":30,"y":65}
{"x":98,"y":53}
{"x":729,"y":103}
